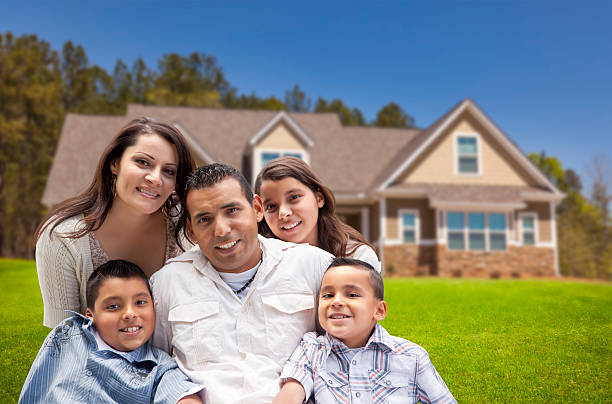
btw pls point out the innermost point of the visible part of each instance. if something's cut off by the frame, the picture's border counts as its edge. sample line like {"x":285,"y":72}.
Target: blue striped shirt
{"x":387,"y":370}
{"x":70,"y":368}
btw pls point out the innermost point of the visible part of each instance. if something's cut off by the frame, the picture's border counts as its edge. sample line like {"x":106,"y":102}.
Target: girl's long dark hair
{"x":332,"y":234}
{"x":96,"y":201}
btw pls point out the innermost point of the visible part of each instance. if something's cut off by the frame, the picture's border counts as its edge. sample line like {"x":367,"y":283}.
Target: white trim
{"x":477,"y":206}
{"x":536,"y":237}
{"x":553,"y":232}
{"x":400,"y":224}
{"x":492,"y":129}
{"x":365,"y":222}
{"x":383,"y":230}
{"x":282,"y":115}
{"x":193,"y":145}
{"x":478,"y":138}
{"x":422,"y":242}
{"x":257,"y":154}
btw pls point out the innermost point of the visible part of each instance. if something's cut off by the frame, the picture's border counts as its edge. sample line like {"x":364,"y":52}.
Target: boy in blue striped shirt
{"x":357,"y":361}
{"x":105,"y":356}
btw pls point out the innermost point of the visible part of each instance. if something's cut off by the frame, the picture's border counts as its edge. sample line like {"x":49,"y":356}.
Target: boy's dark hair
{"x":376,"y":279}
{"x":112,"y":269}
{"x":205,"y":177}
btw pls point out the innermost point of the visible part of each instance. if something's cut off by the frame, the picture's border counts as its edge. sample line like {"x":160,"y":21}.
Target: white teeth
{"x":228,"y":245}
{"x":148,"y":193}
{"x":291,"y":226}
{"x":131,"y":329}
{"x":338,"y":316}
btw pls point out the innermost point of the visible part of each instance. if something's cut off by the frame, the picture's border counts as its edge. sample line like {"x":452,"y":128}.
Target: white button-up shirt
{"x":236,"y":348}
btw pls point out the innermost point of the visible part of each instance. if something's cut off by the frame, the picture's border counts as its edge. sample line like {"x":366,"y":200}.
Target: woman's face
{"x":291,"y":210}
{"x":146,"y":174}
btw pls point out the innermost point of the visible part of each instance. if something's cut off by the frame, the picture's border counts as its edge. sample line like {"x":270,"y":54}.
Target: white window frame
{"x":489,"y":231}
{"x":417,"y":225}
{"x":466,"y":230}
{"x":258,"y":154}
{"x":456,"y":154}
{"x":536,"y":237}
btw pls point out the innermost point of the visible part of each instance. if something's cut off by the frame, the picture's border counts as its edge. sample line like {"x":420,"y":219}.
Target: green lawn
{"x":491,"y":340}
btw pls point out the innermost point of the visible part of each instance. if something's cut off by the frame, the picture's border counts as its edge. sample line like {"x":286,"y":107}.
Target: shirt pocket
{"x":196,"y":332}
{"x":330,"y":387}
{"x":288,"y":316}
{"x":393,"y":387}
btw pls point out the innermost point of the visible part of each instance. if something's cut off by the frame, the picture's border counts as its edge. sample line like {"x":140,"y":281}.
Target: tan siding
{"x":280,"y":137}
{"x":543,"y":211}
{"x":438,"y":164}
{"x":426,"y":217}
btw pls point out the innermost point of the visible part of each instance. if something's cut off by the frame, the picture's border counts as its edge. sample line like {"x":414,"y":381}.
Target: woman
{"x":126,"y":213}
{"x":300,"y":209}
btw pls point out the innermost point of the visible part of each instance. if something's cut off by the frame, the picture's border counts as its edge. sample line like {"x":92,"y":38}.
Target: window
{"x":497,"y":231}
{"x":454,"y":222}
{"x":467,"y":154}
{"x":409,"y":222}
{"x":476,"y":231}
{"x":476,"y":226}
{"x":528,"y":228}
{"x":267,"y":156}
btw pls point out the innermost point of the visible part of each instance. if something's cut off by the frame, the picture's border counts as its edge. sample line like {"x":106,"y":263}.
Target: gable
{"x":281,"y":137}
{"x":438,"y":164}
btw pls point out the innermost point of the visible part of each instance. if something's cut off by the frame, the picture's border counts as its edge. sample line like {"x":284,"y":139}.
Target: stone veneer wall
{"x":412,"y":260}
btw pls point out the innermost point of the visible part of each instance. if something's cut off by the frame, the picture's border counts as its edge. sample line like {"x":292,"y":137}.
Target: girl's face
{"x":146,"y":174}
{"x":291,"y":210}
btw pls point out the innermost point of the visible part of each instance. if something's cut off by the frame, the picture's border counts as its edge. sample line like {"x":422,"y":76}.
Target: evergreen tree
{"x":393,"y":116}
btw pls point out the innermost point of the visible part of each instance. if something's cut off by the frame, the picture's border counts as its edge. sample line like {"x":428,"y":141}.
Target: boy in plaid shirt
{"x":357,"y":361}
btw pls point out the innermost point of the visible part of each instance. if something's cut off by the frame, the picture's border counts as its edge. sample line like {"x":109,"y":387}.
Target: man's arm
{"x":292,"y":392}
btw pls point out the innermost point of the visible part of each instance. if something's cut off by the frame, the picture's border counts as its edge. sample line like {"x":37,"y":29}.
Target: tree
{"x":393,"y":116}
{"x":31,"y":115}
{"x":252,"y":101}
{"x":296,"y":100}
{"x":347,"y":116}
{"x":142,"y":81}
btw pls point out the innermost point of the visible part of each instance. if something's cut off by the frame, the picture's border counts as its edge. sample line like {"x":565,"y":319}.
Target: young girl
{"x":300,"y":209}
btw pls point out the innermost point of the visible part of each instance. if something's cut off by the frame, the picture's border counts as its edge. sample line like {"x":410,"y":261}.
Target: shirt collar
{"x":380,"y":337}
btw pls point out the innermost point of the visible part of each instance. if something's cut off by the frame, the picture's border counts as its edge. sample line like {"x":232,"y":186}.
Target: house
{"x":455,"y":199}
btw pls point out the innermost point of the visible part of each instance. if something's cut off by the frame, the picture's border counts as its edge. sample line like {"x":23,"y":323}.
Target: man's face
{"x":348,"y":307}
{"x":123,"y":313}
{"x":224,"y":224}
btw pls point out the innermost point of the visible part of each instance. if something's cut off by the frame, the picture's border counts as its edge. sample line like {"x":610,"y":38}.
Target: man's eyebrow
{"x":232,"y":204}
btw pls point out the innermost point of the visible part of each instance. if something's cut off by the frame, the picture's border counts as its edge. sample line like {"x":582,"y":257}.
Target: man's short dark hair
{"x":206,"y":177}
{"x":109,"y":270}
{"x":376,"y":279}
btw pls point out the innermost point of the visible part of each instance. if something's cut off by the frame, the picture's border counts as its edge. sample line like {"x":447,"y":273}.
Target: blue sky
{"x":540,"y":69}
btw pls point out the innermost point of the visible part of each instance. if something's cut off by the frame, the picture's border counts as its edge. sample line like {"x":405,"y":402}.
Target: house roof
{"x":356,"y":162}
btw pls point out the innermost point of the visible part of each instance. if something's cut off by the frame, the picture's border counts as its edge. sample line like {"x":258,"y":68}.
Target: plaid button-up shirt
{"x":387,"y":370}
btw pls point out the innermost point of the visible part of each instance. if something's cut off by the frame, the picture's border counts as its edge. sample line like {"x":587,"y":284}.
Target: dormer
{"x":282,"y":136}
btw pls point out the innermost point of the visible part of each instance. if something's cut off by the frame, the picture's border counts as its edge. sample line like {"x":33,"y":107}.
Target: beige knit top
{"x":64,"y":265}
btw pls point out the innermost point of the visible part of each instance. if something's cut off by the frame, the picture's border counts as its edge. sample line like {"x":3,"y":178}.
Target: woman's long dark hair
{"x":332,"y":234}
{"x":96,"y":201}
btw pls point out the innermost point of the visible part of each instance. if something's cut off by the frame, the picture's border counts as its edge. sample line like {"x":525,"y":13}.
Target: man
{"x":232,"y":309}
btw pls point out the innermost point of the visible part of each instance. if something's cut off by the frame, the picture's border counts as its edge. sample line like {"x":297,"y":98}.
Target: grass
{"x":490,"y":340}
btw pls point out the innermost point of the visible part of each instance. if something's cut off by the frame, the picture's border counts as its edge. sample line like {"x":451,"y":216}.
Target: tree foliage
{"x":296,"y":100}
{"x":393,"y":116}
{"x":347,"y":116}
{"x":584,"y":244}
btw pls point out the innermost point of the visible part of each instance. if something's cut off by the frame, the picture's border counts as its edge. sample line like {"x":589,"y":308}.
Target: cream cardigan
{"x":63,"y":265}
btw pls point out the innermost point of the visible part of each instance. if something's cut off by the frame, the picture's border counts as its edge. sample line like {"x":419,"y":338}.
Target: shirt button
{"x":354,"y":362}
{"x":88,"y":373}
{"x":387,"y":382}
{"x":330,"y":381}
{"x":357,"y":395}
